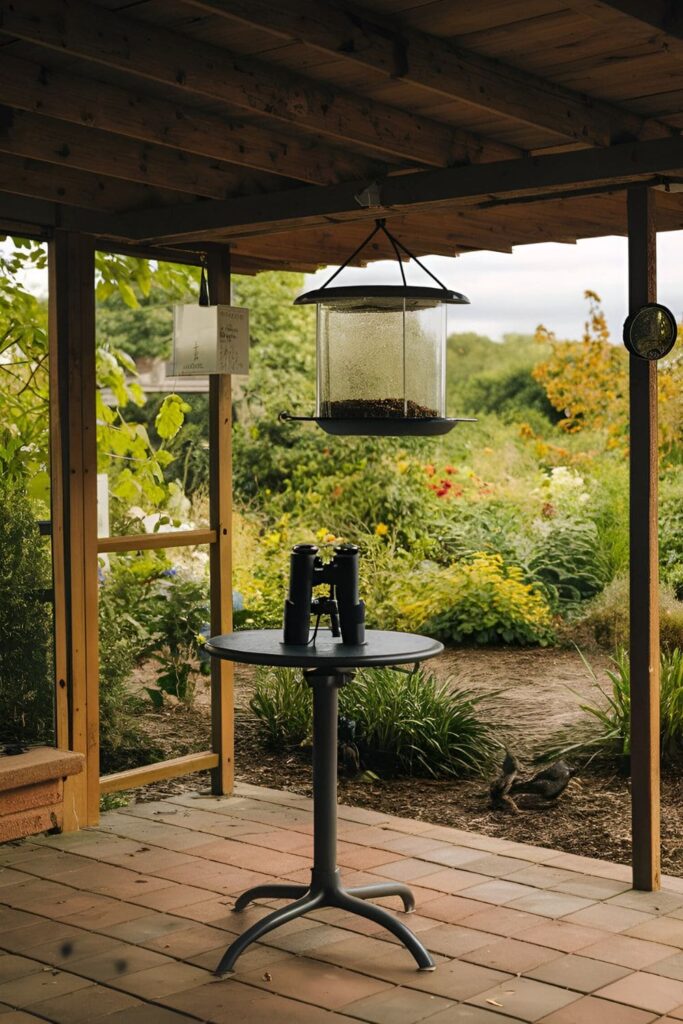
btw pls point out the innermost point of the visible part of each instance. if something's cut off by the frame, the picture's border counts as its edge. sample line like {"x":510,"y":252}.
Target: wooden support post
{"x":644,"y":557}
{"x":73,"y":454}
{"x":220,"y":499}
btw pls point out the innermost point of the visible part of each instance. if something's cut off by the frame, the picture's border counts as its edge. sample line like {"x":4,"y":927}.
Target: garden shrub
{"x":608,"y":616}
{"x":120,"y":639}
{"x":180,"y":614}
{"x":403,"y":723}
{"x":605,"y":732}
{"x":494,"y":526}
{"x":510,"y":394}
{"x":26,"y":672}
{"x":671,"y":543}
{"x":479,"y":601}
{"x":568,"y":561}
{"x":164,"y":611}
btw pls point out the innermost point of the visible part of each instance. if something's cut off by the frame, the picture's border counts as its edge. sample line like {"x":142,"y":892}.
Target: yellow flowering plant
{"x":480,"y":600}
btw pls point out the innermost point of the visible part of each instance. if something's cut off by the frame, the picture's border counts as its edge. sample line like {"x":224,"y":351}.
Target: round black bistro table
{"x":327,"y":664}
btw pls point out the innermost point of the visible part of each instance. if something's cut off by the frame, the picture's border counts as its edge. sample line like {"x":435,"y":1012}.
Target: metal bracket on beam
{"x":370,"y":198}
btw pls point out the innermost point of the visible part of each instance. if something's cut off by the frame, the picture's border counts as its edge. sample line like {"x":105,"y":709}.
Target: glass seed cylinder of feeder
{"x":381,"y":355}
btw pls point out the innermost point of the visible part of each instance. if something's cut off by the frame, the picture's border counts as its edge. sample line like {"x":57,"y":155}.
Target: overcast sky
{"x":534,"y":284}
{"x":539,"y":284}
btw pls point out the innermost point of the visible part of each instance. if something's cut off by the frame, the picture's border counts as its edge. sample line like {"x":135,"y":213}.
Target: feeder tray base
{"x":383,"y":426}
{"x":388,"y":426}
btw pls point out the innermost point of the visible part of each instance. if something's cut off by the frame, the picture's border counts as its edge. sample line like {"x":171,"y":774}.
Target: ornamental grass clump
{"x":402,"y":723}
{"x":605,"y":733}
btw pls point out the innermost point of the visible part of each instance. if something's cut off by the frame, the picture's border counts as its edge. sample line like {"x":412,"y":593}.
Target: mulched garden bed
{"x":593,"y":818}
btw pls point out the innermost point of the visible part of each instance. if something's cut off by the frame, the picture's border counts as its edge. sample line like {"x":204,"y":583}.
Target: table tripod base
{"x":326,"y":892}
{"x":326,"y":889}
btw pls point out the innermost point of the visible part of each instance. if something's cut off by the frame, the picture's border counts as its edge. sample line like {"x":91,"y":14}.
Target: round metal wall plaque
{"x":651,"y":331}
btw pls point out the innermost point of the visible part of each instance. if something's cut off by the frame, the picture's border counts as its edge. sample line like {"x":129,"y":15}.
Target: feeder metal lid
{"x":382,"y":291}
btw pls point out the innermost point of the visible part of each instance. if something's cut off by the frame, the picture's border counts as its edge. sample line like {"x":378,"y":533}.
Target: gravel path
{"x":539,"y":691}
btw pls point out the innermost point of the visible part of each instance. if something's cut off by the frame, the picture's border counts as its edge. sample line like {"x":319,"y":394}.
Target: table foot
{"x":378,"y":891}
{"x":277,"y":892}
{"x":356,"y":905}
{"x":265,"y":925}
{"x":326,"y":891}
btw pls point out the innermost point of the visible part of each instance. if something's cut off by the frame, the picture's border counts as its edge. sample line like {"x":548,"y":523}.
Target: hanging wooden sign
{"x":210,"y":339}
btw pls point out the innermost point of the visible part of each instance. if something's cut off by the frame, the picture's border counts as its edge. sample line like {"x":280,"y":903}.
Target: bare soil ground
{"x":537,"y":692}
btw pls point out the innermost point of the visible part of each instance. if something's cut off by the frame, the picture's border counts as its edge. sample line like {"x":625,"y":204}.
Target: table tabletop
{"x":381,"y":648}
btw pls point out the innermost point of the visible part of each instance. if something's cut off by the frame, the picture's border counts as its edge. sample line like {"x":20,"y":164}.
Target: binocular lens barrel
{"x":308,"y":571}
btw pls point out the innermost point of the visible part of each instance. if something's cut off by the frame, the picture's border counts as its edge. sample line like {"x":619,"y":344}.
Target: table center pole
{"x":325,"y":739}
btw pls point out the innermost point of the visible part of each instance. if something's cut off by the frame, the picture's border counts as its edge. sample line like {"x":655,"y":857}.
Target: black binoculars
{"x":342,"y":604}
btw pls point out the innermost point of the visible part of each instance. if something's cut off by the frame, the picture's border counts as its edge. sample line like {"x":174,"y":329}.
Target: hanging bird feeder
{"x":381,"y":353}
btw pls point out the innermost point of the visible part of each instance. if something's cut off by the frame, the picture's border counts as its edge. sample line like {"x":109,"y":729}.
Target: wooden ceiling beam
{"x":438,"y":66}
{"x":26,"y":209}
{"x":522,"y":179}
{"x":181,"y":63}
{"x":35,"y":137}
{"x":70,"y":187}
{"x":59,"y":94}
{"x":661,"y":19}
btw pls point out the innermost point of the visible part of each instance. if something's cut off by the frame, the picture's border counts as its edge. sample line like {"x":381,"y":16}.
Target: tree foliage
{"x":587,"y":382}
{"x":135,"y":464}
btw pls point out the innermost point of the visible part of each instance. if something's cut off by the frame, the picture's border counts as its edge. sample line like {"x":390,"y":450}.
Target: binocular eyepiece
{"x":343,"y":605}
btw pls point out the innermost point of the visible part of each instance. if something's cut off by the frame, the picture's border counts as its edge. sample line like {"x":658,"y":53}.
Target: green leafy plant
{"x":404,"y":723}
{"x":26,"y":683}
{"x":180,"y":613}
{"x":121,"y":638}
{"x":568,"y":561}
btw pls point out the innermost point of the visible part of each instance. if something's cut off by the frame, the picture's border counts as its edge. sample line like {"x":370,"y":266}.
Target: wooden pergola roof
{"x":282,"y":127}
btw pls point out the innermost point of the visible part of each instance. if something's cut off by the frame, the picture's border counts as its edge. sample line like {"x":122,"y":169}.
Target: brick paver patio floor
{"x":125,"y":922}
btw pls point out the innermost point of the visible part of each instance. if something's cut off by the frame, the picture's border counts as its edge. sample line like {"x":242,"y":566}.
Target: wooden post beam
{"x":644,"y":558}
{"x":174,"y":768}
{"x":220,"y":556}
{"x":73,"y":456}
{"x":529,"y":177}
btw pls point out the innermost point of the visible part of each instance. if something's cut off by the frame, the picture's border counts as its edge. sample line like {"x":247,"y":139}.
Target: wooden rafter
{"x":73,"y":188}
{"x":183,"y":64}
{"x":102,"y":153}
{"x":520,"y":178}
{"x":665,"y":17}
{"x":438,"y":66}
{"x":59,"y":94}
